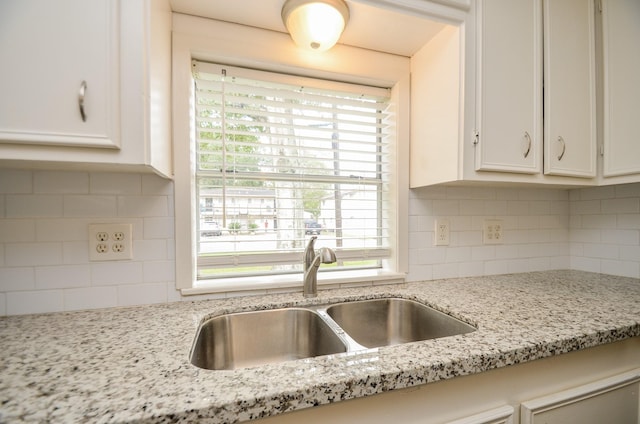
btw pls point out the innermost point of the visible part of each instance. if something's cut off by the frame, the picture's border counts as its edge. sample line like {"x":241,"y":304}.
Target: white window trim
{"x":237,"y":45}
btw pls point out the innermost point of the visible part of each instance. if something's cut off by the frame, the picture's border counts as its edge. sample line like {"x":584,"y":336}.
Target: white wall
{"x":44,"y":264}
{"x":604,"y":231}
{"x":536,"y":231}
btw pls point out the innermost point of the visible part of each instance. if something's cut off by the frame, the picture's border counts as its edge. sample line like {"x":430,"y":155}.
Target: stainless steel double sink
{"x":247,"y":339}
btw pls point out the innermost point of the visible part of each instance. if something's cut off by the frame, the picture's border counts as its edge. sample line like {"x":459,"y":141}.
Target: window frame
{"x":204,"y":39}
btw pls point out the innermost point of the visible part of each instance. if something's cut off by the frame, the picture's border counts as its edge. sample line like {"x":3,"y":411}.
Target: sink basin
{"x":247,"y":339}
{"x":384,"y":322}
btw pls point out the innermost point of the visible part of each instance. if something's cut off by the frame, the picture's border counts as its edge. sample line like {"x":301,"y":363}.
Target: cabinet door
{"x":509,"y":109}
{"x":621,"y":33}
{"x":612,"y":400}
{"x":47,"y":50}
{"x":569,"y":88}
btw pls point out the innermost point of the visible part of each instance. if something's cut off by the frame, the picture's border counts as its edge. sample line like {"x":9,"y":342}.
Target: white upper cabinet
{"x":508,"y":95}
{"x":569,"y":88}
{"x":86,"y":84}
{"x":48,"y":58}
{"x":621,"y":84}
{"x":526,"y":55}
{"x":509,"y":86}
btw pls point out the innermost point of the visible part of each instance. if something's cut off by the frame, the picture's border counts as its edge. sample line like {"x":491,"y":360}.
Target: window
{"x":279,"y":159}
{"x":199,"y":224}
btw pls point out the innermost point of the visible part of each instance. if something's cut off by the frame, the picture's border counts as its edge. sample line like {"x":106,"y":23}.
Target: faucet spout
{"x":312,"y":261}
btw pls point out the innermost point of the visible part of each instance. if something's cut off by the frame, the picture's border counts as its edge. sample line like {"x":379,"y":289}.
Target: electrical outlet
{"x":110,"y":242}
{"x":441,"y":232}
{"x":492,"y":231}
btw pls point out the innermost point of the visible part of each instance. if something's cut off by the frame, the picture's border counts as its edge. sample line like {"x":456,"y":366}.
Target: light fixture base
{"x":315,"y":24}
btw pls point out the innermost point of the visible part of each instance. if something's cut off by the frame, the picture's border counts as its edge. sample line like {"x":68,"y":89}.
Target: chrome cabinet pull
{"x":81,"y":93}
{"x":564,"y":147}
{"x":528,"y":137}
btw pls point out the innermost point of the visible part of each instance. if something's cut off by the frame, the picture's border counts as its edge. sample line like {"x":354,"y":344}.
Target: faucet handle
{"x":327,"y":255}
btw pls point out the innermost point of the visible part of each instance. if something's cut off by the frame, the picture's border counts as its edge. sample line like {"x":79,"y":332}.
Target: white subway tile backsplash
{"x":623,"y":268}
{"x":152,"y":185}
{"x":141,"y":294}
{"x":483,"y":253}
{"x":49,"y":182}
{"x":109,"y":183}
{"x":150,"y":250}
{"x":34,"y":302}
{"x":33,"y":205}
{"x":143,"y":206}
{"x":90,"y":206}
{"x":75,"y":252}
{"x":628,"y":221}
{"x":44,"y":265}
{"x":458,"y":254}
{"x":63,"y":276}
{"x":446,"y":207}
{"x":90,"y":298}
{"x":15,"y":279}
{"x":495,"y":267}
{"x":32,"y":254}
{"x":116,"y":273}
{"x":495,"y":207}
{"x":444,"y":270}
{"x":14,"y":181}
{"x":606,"y":192}
{"x":17,"y":230}
{"x":585,"y":264}
{"x":470,"y":269}
{"x":619,"y":206}
{"x":158,"y":228}
{"x":158,"y":271}
{"x":601,"y":251}
{"x":630,"y":253}
{"x":517,"y":207}
{"x":621,"y":237}
{"x":61,"y":229}
{"x":599,"y":221}
{"x":628,"y":190}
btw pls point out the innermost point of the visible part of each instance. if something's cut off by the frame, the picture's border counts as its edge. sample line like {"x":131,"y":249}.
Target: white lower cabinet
{"x":597,"y":385}
{"x":503,"y":415}
{"x":611,"y":400}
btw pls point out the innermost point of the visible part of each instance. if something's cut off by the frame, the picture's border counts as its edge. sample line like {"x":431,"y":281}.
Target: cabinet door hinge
{"x":476,"y":137}
{"x":601,"y":150}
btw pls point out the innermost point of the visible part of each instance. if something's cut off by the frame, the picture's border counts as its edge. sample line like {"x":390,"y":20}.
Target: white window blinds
{"x":280,"y":158}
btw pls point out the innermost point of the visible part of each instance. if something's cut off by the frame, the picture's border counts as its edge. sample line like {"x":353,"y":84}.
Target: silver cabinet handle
{"x":81,"y":93}
{"x":564,"y":147}
{"x":528,"y":137}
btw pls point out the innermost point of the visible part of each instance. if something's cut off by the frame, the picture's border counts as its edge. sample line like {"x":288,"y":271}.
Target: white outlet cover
{"x":492,"y":231}
{"x":117,"y":246}
{"x":441,"y":232}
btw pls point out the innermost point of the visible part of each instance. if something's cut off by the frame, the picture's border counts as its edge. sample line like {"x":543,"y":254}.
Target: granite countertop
{"x":132,"y":364}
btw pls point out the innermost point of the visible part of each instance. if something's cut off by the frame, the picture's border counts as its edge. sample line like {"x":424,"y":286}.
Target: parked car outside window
{"x":312,"y":227}
{"x":209,"y":229}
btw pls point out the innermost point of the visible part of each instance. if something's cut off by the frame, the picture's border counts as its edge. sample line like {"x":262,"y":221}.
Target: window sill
{"x":293,"y":282}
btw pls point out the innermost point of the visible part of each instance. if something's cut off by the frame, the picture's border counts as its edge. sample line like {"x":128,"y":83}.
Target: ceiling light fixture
{"x":315,"y":24}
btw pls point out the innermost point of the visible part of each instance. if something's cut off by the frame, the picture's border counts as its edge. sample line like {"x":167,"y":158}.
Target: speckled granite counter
{"x":132,"y":364}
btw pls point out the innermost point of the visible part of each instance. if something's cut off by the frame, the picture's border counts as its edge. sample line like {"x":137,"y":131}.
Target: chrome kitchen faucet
{"x":312,"y":261}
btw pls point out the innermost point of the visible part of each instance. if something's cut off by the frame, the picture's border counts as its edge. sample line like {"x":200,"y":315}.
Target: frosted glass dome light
{"x":315,"y":24}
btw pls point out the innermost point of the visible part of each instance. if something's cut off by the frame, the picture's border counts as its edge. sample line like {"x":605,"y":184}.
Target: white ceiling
{"x":369,"y":27}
